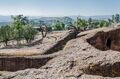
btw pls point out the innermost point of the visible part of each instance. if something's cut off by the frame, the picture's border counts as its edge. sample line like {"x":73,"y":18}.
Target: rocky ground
{"x":39,"y":48}
{"x":78,"y":60}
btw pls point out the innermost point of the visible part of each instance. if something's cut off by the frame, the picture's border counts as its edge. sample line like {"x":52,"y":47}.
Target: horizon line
{"x":57,"y":15}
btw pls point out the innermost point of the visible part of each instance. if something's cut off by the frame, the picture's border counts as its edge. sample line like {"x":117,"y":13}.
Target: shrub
{"x":59,"y":26}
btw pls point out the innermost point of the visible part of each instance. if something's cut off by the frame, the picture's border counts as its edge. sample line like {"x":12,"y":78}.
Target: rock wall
{"x":106,"y":40}
{"x":20,"y":63}
{"x":59,"y":45}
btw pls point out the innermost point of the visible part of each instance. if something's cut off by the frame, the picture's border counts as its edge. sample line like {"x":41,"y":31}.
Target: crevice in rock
{"x":108,"y":43}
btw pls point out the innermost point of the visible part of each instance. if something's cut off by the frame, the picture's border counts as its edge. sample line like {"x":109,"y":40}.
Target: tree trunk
{"x":45,"y":31}
{"x":6,"y":43}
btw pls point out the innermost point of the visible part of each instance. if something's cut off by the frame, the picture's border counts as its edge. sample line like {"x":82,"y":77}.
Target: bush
{"x":49,"y":29}
{"x":59,"y":26}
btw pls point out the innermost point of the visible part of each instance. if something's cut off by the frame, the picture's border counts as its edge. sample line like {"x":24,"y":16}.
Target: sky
{"x":59,"y":7}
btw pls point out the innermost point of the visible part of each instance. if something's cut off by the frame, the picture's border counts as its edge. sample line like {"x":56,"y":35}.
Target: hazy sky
{"x":59,"y":7}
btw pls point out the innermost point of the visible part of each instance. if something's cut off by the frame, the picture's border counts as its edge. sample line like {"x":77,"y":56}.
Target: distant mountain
{"x":99,"y":17}
{"x":51,"y":20}
{"x":7,"y":19}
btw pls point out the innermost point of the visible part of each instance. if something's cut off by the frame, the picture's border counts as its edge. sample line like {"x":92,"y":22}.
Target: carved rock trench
{"x":20,"y":63}
{"x":105,"y":41}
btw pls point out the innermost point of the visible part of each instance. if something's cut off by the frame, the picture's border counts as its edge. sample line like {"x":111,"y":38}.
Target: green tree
{"x":19,"y":22}
{"x":5,"y":34}
{"x":95,"y":24}
{"x":81,"y":24}
{"x":69,"y":25}
{"x":110,"y":21}
{"x":113,"y":18}
{"x":104,"y":23}
{"x":49,"y":29}
{"x":59,"y":26}
{"x":117,"y":18}
{"x":29,"y":33}
{"x":90,"y":21}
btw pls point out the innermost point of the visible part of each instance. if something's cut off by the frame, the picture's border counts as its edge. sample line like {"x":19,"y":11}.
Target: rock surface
{"x":78,"y":60}
{"x":37,"y":47}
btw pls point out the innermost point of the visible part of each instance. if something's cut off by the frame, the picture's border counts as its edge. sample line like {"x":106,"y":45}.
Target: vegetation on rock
{"x":18,"y":30}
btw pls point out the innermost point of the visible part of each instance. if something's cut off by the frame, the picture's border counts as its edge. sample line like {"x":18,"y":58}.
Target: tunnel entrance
{"x":108,"y":43}
{"x":104,"y":41}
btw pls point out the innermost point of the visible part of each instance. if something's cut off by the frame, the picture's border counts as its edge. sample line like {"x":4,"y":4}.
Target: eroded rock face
{"x":106,"y":40}
{"x":78,"y":60}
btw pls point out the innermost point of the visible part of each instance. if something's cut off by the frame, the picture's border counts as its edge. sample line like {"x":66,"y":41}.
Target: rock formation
{"x":93,"y":54}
